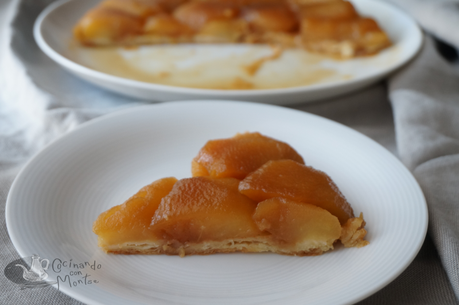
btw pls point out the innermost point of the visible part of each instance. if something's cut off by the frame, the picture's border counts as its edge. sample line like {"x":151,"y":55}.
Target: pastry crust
{"x":331,"y":27}
{"x":252,"y":245}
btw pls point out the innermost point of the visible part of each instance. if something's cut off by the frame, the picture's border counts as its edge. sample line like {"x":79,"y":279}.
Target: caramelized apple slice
{"x":238,"y":156}
{"x":105,"y":26}
{"x":138,"y":8}
{"x":335,"y":28}
{"x":130,"y":221}
{"x":357,"y":37}
{"x":333,"y":9}
{"x":196,"y":14}
{"x":122,"y":21}
{"x":303,"y":228}
{"x":163,"y":24}
{"x":221,"y":31}
{"x":297,"y":182}
{"x":276,"y":17}
{"x":204,"y":209}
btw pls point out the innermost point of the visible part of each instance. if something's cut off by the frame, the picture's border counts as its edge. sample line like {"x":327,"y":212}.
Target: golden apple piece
{"x":297,"y":227}
{"x":125,"y":228}
{"x":196,"y":14}
{"x":272,"y":17}
{"x":294,"y":181}
{"x":238,"y":156}
{"x":204,"y":215}
{"x":105,"y":27}
{"x":166,"y":25}
{"x":331,"y":10}
{"x":335,"y":28}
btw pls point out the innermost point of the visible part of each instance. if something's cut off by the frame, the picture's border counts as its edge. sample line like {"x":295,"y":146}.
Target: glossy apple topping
{"x":203,"y":209}
{"x":130,"y":221}
{"x":238,"y":156}
{"x":294,"y":181}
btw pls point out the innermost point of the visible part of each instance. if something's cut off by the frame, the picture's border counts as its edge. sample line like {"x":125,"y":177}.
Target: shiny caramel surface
{"x":297,"y":182}
{"x":131,"y":220}
{"x":203,"y":208}
{"x":238,"y":156}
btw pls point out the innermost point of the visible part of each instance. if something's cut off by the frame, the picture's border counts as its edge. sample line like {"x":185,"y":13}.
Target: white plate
{"x":61,"y":191}
{"x":173,"y":68}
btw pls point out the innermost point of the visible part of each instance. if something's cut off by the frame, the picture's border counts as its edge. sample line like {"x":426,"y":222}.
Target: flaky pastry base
{"x":252,"y":245}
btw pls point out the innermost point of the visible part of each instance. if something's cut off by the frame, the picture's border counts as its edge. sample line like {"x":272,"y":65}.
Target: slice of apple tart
{"x":283,"y":207}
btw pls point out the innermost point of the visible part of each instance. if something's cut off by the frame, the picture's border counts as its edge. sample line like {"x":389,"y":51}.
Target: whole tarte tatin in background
{"x":330,"y":27}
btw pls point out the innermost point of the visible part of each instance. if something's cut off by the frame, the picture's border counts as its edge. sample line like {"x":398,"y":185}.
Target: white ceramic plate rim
{"x":73,"y":66}
{"x":21,"y":247}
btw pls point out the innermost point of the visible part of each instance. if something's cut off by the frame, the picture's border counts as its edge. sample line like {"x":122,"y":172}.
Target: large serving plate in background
{"x":61,"y":191}
{"x":180,"y":72}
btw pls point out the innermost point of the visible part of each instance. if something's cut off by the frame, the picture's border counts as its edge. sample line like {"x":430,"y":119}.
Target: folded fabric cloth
{"x":425,"y":99}
{"x":39,"y":101}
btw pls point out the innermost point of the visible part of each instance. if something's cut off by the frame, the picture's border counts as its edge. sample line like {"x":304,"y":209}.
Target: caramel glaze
{"x":290,"y":23}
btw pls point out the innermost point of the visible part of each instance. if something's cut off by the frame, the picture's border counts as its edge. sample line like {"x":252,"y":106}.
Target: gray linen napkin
{"x":425,"y":99}
{"x":39,"y":101}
